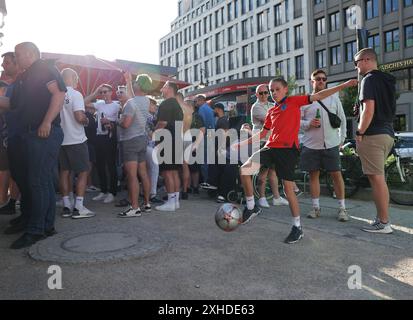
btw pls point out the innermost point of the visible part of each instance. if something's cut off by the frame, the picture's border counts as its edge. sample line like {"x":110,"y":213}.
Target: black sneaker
{"x":248,"y":215}
{"x":66,"y":213}
{"x":26,"y":240}
{"x":295,"y":235}
{"x":184,"y":196}
{"x":156,"y":200}
{"x":50,"y":233}
{"x":195,"y":190}
{"x":147,"y":208}
{"x":9,"y":208}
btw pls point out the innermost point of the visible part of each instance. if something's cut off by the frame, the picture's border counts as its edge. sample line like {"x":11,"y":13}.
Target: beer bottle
{"x":318,"y":117}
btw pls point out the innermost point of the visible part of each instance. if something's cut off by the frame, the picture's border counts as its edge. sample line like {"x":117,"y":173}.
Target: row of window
{"x":206,"y":71}
{"x":217,"y":19}
{"x":392,"y":43}
{"x":281,"y":43}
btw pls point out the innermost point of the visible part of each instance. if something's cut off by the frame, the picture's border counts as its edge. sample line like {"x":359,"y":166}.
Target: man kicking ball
{"x":281,"y":149}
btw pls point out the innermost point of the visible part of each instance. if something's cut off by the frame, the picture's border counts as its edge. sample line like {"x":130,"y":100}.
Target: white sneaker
{"x":263,"y":203}
{"x":280,"y":202}
{"x":84,"y":213}
{"x":100,"y":197}
{"x":131,"y":213}
{"x":343,"y":215}
{"x":109,"y":198}
{"x":167,"y":207}
{"x":177,"y":205}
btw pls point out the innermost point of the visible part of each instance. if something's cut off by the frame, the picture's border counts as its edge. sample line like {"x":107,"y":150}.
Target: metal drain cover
{"x":98,"y":246}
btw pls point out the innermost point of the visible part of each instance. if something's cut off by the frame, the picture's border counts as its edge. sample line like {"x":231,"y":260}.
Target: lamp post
{"x":203,"y":84}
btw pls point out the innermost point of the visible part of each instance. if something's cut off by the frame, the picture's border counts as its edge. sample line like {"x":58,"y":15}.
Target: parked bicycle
{"x":399,"y":171}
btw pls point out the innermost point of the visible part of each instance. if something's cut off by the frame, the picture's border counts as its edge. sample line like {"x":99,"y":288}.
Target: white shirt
{"x":110,"y":111}
{"x":74,"y":132}
{"x":325,"y":137}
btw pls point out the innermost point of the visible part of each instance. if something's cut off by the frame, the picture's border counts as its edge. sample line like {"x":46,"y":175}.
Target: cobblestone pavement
{"x":185,"y":256}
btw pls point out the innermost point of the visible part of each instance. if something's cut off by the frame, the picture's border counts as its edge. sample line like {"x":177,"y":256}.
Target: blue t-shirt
{"x":207,"y":115}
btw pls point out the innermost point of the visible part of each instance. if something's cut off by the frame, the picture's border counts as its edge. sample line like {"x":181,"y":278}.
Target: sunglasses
{"x":321,"y":79}
{"x":357,"y":61}
{"x":263,"y":93}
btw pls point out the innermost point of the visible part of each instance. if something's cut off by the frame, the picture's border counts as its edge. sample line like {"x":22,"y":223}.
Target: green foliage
{"x":292,"y":82}
{"x":348,"y":99}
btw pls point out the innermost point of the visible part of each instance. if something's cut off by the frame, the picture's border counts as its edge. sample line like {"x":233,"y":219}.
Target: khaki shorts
{"x":373,"y":152}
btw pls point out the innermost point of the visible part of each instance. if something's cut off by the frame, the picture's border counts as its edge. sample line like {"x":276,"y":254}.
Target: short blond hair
{"x":369,"y":53}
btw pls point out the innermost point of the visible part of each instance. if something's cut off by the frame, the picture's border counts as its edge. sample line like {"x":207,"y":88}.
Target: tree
{"x":349,"y":99}
{"x":291,"y":80}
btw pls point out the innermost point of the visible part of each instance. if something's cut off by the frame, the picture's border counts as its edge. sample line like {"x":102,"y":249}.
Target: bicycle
{"x":398,"y":172}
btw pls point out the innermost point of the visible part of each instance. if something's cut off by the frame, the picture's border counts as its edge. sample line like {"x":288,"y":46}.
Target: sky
{"x":120,"y":29}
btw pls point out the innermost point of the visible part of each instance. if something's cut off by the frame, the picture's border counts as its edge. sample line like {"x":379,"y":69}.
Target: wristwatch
{"x":359,"y":134}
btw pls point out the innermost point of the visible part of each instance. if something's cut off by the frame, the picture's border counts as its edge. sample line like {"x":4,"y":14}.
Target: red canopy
{"x":93,"y":71}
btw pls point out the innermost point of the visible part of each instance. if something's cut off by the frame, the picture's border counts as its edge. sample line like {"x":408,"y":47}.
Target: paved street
{"x":185,"y":256}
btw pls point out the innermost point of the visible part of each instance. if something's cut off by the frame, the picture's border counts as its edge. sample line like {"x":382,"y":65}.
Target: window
{"x":287,"y":39}
{"x":320,"y":26}
{"x":408,"y":35}
{"x":351,"y":50}
{"x":391,"y":6}
{"x":392,"y":40}
{"x":261,"y":50}
{"x":230,"y":12}
{"x":245,"y":55}
{"x":299,"y":67}
{"x":207,"y":46}
{"x":262,"y":21}
{"x":196,"y":51}
{"x":318,"y":2}
{"x":278,"y":43}
{"x":372,"y":9}
{"x":232,"y":60}
{"x":374,"y":42}
{"x":298,"y":34}
{"x":232,"y":35}
{"x":277,"y":15}
{"x":408,"y":3}
{"x":321,"y":59}
{"x":334,"y":21}
{"x":298,"y":9}
{"x":335,"y":55}
{"x":278,"y":67}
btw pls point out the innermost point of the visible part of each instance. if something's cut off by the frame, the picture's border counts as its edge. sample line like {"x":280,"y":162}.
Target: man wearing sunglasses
{"x":106,"y":140}
{"x":375,"y":134}
{"x":258,"y":114}
{"x":321,"y":144}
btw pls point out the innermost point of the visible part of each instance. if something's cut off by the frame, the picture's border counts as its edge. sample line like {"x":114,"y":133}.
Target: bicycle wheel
{"x":255,"y":182}
{"x":401,"y":192}
{"x":351,"y":171}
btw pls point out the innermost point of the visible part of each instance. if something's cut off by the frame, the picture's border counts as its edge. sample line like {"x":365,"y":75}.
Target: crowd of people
{"x":48,"y":127}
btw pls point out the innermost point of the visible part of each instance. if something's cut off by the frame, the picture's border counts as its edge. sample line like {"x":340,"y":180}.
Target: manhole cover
{"x":98,"y":246}
{"x":100,"y":242}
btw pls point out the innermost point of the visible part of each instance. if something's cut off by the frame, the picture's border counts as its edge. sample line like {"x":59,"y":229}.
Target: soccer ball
{"x":228,"y":217}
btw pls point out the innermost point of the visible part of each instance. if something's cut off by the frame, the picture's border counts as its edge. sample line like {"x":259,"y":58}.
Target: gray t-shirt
{"x":138,"y":108}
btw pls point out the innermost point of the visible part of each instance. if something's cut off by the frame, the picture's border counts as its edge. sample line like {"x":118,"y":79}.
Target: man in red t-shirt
{"x":281,"y":150}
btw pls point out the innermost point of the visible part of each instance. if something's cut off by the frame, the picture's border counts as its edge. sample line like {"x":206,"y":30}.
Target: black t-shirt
{"x":380,"y":87}
{"x":222,"y":123}
{"x":91,"y":128}
{"x":31,"y":97}
{"x":171,"y":112}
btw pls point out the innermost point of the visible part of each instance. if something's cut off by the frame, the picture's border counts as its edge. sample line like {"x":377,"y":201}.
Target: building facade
{"x":216,"y":41}
{"x":333,"y":43}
